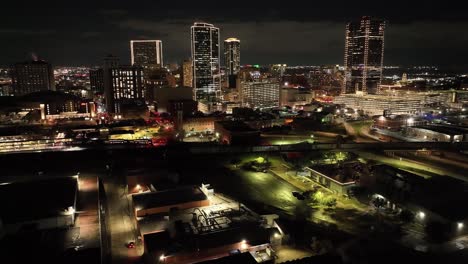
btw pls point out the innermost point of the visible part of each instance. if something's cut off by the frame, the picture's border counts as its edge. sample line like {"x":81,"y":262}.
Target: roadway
{"x":121,"y":223}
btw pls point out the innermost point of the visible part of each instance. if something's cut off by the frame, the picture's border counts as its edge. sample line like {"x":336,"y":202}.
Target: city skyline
{"x":413,"y":37}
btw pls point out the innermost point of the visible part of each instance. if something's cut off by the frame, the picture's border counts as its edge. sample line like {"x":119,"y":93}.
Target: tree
{"x":331,"y":202}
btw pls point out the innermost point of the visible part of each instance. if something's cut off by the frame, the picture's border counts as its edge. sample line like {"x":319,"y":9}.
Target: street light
{"x":421,"y":215}
{"x":460,"y":225}
{"x":244,"y":244}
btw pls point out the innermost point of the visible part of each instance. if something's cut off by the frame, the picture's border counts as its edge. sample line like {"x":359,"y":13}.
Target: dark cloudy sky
{"x":292,"y":32}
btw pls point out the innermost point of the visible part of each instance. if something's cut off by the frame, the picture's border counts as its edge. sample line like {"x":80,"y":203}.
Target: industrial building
{"x":38,"y":205}
{"x":236,"y":133}
{"x":209,"y":232}
{"x":164,"y":201}
{"x":399,"y":189}
{"x":437,"y":133}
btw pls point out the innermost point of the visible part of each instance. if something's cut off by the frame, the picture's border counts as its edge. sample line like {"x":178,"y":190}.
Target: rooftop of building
{"x":34,"y":62}
{"x":168,"y":197}
{"x":237,"y":257}
{"x":162,"y":243}
{"x":236,"y":126}
{"x":34,"y":200}
{"x":442,"y":195}
{"x":188,"y":233}
{"x":46,"y":246}
{"x":342,"y":173}
{"x":449,"y":130}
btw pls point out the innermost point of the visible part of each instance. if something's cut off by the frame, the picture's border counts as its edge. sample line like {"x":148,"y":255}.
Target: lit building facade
{"x":126,"y":84}
{"x":232,"y":56}
{"x":146,"y":52}
{"x":407,"y":103}
{"x":32,"y":76}
{"x":205,"y":59}
{"x":187,"y":73}
{"x":260,"y":94}
{"x":364,"y":55}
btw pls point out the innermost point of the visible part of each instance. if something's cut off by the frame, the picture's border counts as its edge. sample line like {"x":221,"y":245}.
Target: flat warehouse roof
{"x":31,"y":200}
{"x":168,"y":197}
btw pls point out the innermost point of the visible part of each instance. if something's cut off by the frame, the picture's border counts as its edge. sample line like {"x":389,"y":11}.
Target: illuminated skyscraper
{"x":232,"y":56}
{"x":364,"y":54}
{"x":146,"y":52}
{"x":32,"y":76}
{"x":187,"y":73}
{"x":205,"y":59}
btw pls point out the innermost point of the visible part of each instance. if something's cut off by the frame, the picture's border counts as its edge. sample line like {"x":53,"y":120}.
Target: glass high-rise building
{"x":146,"y":52}
{"x":205,"y":59}
{"x":232,"y":56}
{"x":364,"y":54}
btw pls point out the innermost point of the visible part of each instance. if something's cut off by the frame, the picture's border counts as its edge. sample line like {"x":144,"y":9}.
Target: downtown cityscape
{"x":209,"y":136}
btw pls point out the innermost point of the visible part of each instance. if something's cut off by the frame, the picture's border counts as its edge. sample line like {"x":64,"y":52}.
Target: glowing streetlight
{"x":162,"y":257}
{"x":421,"y":215}
{"x":460,"y":225}
{"x":244,"y":244}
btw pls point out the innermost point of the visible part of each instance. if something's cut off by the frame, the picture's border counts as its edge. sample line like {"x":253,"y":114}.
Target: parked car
{"x":131,"y":244}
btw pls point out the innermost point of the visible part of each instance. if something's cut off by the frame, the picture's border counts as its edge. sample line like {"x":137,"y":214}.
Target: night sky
{"x":83,"y":32}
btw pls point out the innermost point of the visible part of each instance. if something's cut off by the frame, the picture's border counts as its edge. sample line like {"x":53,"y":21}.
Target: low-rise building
{"x":293,"y":97}
{"x":151,"y":203}
{"x":210,"y":233}
{"x":200,"y":123}
{"x":437,"y":133}
{"x":436,"y":199}
{"x":37,"y":205}
{"x":397,"y":122}
{"x":339,"y":179}
{"x":236,"y":133}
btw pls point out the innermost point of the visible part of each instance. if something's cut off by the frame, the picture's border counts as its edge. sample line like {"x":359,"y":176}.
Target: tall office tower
{"x":109,"y":63}
{"x":364,"y":54}
{"x":127,"y":84}
{"x":96,"y":80}
{"x":260,"y":93}
{"x":187,"y":73}
{"x":146,"y":52}
{"x":232,"y":56}
{"x":32,"y":76}
{"x":205,"y":59}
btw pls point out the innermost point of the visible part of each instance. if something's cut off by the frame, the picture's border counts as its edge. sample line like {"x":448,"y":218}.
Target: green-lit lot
{"x":347,"y":215}
{"x":295,"y":139}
